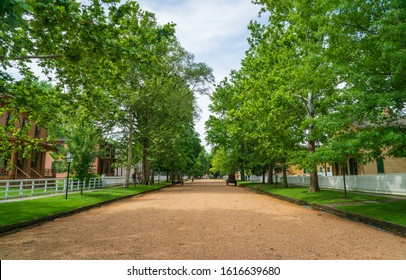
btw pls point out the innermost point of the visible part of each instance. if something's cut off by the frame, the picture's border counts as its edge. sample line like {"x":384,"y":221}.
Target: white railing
{"x":383,"y":183}
{"x":32,"y":187}
{"x":255,"y":178}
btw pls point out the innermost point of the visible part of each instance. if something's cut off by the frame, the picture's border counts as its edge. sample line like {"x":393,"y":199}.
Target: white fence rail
{"x":32,"y":187}
{"x":384,"y":184}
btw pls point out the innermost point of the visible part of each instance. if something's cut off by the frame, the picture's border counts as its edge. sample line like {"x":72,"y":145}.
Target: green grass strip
{"x":393,"y":212}
{"x":26,"y":210}
{"x":374,"y":206}
{"x":322,"y":197}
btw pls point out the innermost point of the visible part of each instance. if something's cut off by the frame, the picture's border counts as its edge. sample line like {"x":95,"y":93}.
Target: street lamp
{"x":68,"y":159}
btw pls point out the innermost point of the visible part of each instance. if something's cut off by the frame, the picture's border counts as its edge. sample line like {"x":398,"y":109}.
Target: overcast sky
{"x":215,"y":31}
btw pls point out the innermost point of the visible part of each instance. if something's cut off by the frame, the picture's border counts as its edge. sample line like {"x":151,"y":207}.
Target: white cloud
{"x":208,"y":28}
{"x":215,"y":31}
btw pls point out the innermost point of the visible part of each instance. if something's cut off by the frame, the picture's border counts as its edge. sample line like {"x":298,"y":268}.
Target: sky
{"x":215,"y":31}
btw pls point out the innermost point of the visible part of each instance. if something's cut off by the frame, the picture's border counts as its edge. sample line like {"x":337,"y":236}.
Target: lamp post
{"x":68,"y":160}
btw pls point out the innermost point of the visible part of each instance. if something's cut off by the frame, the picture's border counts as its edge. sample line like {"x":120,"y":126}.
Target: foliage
{"x":83,"y":141}
{"x":31,"y":100}
{"x":322,"y":81}
{"x":201,"y":165}
{"x":369,"y":52}
{"x":116,"y":63}
{"x":222,"y":162}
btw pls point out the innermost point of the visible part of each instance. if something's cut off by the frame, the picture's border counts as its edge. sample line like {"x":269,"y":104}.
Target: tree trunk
{"x":345,"y":185}
{"x":285,"y":176}
{"x":242,"y":174}
{"x":152,"y":176}
{"x":167,"y":176}
{"x":130,"y":149}
{"x":145,"y":163}
{"x":270,"y":173}
{"x":311,"y":144}
{"x":314,"y":179}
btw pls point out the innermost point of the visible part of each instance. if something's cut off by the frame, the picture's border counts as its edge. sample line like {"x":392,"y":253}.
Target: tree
{"x":157,"y":78}
{"x":53,"y":33}
{"x":116,"y":63}
{"x":222,"y":162}
{"x":40,"y":101}
{"x":83,"y":141}
{"x":369,"y":51}
{"x":201,"y":165}
{"x":322,"y":80}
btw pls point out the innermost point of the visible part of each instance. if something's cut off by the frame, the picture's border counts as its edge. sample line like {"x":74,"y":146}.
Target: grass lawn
{"x":393,"y":212}
{"x":322,"y":197}
{"x":25,"y":210}
{"x":378,"y":208}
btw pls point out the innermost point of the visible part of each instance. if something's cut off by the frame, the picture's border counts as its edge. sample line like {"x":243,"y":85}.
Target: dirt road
{"x":202,"y":220}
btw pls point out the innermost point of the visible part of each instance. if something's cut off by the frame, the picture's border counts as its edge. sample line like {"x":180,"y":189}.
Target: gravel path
{"x":202,"y":220}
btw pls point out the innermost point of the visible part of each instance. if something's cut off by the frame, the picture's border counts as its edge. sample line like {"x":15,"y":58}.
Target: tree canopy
{"x":321,"y":81}
{"x":127,"y":74}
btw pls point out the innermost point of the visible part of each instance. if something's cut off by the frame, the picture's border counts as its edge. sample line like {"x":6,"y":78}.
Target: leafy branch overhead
{"x":321,"y":81}
{"x":128,"y":74}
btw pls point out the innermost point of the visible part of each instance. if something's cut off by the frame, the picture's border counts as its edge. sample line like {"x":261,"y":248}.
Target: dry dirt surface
{"x":204,"y":220}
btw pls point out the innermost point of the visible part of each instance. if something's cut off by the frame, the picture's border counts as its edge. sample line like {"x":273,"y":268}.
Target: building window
{"x":328,"y":168}
{"x":321,"y":169}
{"x":380,"y":166}
{"x":26,"y":122}
{"x":8,"y":120}
{"x":3,"y":165}
{"x":37,"y":131}
{"x":34,"y":159}
{"x":353,"y":166}
{"x":20,"y":160}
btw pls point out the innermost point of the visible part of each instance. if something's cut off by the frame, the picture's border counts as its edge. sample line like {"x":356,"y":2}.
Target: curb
{"x":4,"y":230}
{"x":393,"y":228}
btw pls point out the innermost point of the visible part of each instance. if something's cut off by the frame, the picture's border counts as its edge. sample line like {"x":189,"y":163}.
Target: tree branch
{"x":49,"y":56}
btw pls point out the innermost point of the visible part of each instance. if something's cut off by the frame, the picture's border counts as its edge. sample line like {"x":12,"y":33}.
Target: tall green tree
{"x":322,"y":81}
{"x":201,"y":165}
{"x":368,"y":47}
{"x":82,"y":139}
{"x":56,"y":35}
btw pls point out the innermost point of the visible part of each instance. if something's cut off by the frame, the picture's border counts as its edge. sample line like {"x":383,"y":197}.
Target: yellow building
{"x":385,"y":166}
{"x":324,"y":169}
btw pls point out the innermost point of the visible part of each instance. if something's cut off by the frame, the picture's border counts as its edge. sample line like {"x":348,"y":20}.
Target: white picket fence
{"x":31,"y":187}
{"x":383,"y":183}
